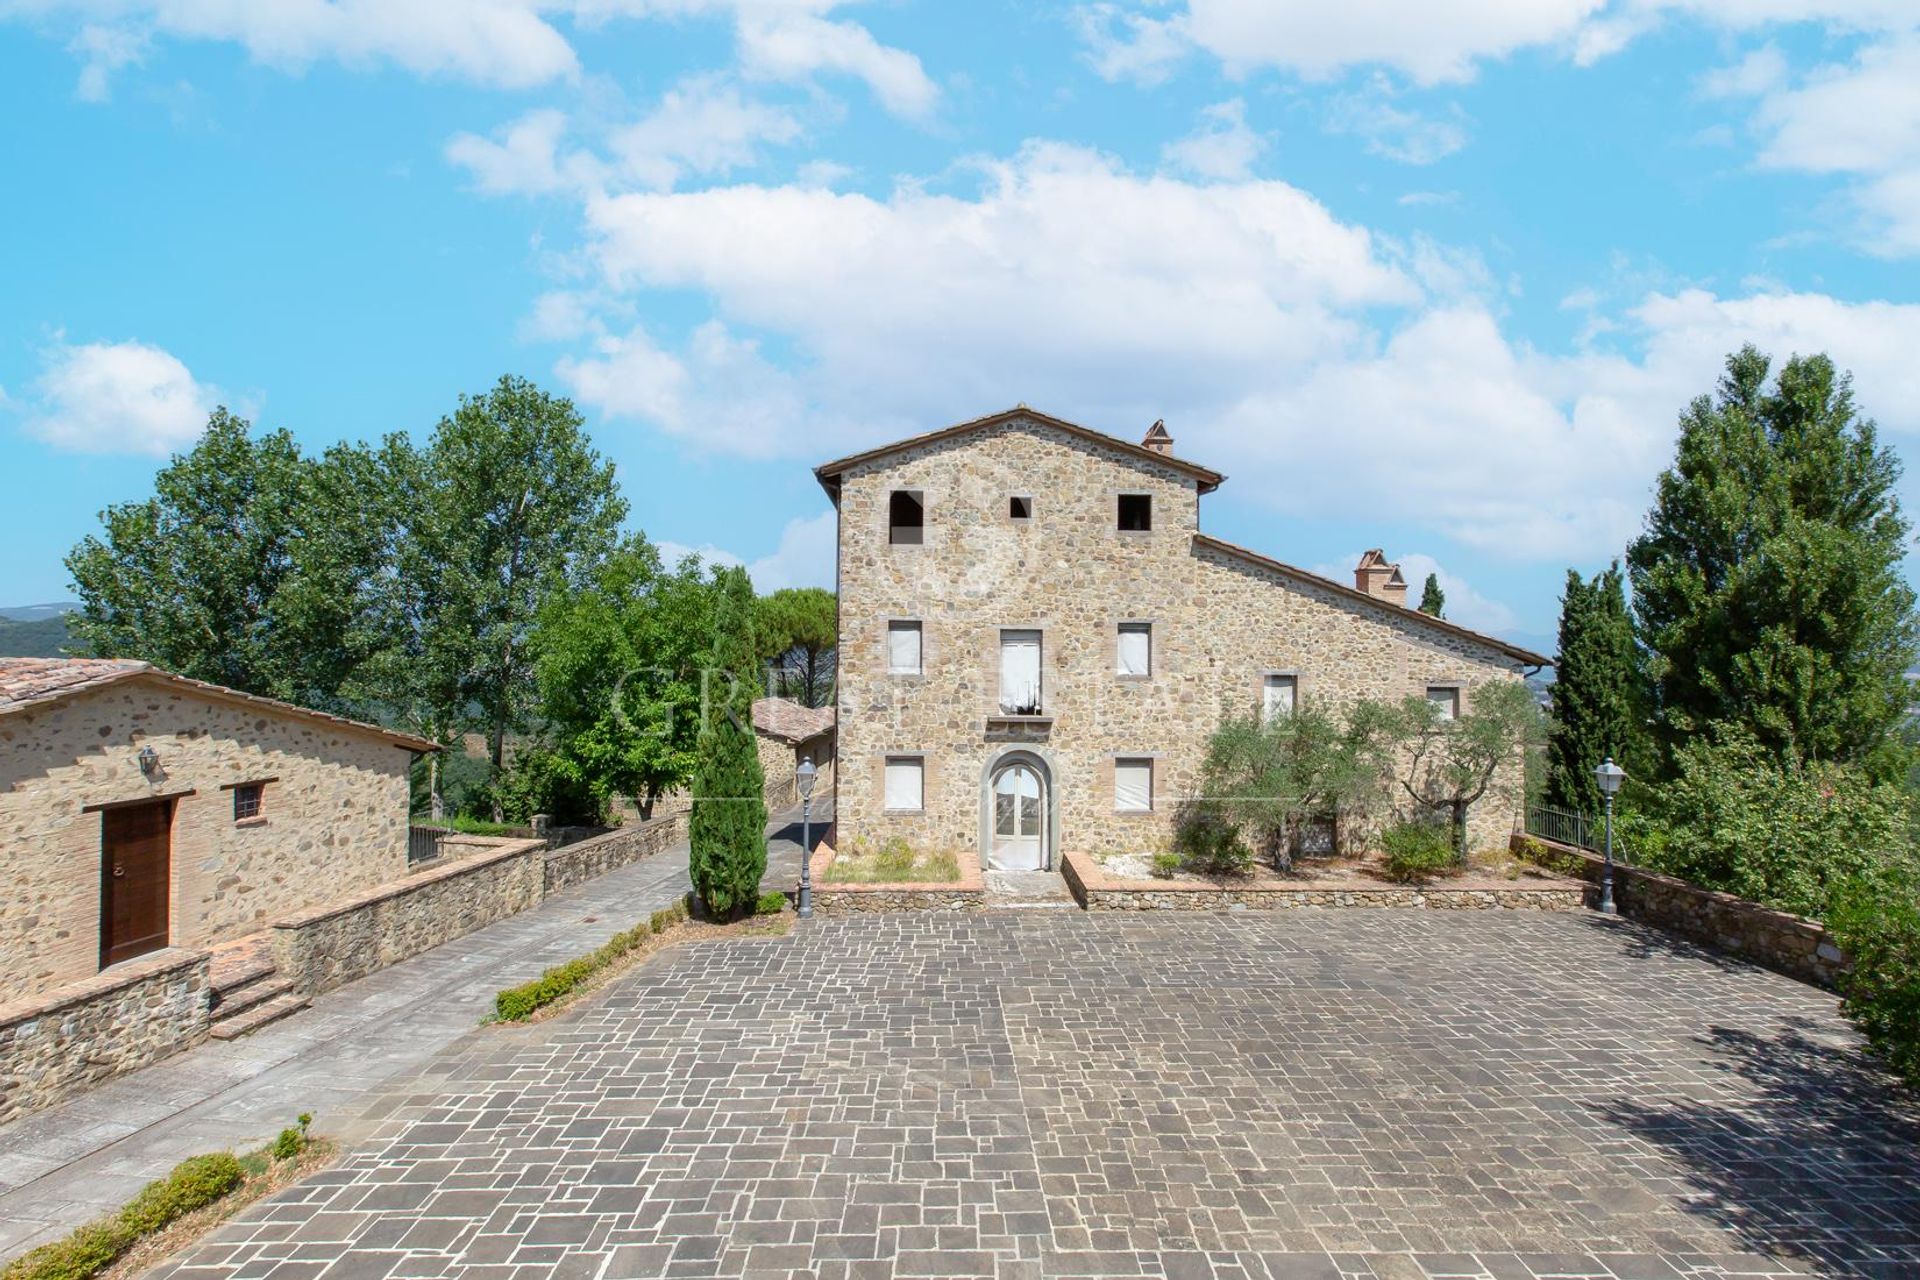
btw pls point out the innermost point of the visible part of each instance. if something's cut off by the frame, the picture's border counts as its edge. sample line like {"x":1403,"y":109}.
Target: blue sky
{"x":1424,"y":274}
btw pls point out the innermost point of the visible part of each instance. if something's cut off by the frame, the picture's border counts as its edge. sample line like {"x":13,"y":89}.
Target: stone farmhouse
{"x":787,"y":734}
{"x":1036,"y":641}
{"x":141,"y":811}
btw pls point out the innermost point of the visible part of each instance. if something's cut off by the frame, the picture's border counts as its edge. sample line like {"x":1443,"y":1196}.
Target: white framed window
{"x":903,"y":649}
{"x":906,"y":784}
{"x":1277,"y":694}
{"x":1133,"y":785}
{"x":1445,"y":699}
{"x":1020,"y":673}
{"x":1135,"y":651}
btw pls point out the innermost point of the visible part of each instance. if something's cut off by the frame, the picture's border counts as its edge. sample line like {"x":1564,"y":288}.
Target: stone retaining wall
{"x":493,"y":878}
{"x":59,"y":1043}
{"x":577,"y":863}
{"x":1776,"y":940}
{"x":968,"y":893}
{"x":1096,"y":891}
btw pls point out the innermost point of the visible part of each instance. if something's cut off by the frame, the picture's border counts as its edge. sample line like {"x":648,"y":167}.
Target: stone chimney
{"x":1379,"y":579}
{"x":1158,"y":439}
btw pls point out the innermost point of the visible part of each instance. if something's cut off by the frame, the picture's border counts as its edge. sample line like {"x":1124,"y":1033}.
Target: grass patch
{"x":200,"y":1193}
{"x":895,"y":862}
{"x":467,"y":826}
{"x":561,"y":984}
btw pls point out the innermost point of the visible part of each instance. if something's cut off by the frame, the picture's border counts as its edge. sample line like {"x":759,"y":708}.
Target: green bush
{"x":1417,"y":850}
{"x":1165,"y":863}
{"x":1876,"y":921}
{"x":667,"y":917}
{"x":522,"y":1001}
{"x":538,"y":779}
{"x":1737,"y":819}
{"x":193,"y":1184}
{"x":771,"y":903}
{"x":1206,"y":842}
{"x":292,"y":1140}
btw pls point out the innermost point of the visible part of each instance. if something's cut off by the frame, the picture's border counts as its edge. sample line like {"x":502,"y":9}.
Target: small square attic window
{"x":1019,"y":508}
{"x":1136,"y":512}
{"x":906,"y":518}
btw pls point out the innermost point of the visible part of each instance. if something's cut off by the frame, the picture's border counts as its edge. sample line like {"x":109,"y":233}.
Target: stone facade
{"x":135,"y":1014}
{"x":333,"y":820}
{"x":1220,"y":620}
{"x":492,"y":878}
{"x":780,"y":764}
{"x":1777,"y":940}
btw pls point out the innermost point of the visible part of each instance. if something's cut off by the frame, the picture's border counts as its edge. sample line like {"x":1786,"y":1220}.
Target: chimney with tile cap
{"x":1158,"y":439}
{"x":1379,"y":579}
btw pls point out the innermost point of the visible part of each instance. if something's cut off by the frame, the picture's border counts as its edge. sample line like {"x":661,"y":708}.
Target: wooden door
{"x":136,"y":859}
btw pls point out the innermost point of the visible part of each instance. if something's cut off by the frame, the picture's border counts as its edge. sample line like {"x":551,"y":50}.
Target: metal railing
{"x":423,"y":843}
{"x":1563,"y":827}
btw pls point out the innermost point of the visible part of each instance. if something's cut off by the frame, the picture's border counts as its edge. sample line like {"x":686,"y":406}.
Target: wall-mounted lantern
{"x":149,"y":761}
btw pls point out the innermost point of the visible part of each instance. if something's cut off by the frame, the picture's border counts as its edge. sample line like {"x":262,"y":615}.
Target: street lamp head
{"x":1609,"y":775}
{"x":805,"y":778}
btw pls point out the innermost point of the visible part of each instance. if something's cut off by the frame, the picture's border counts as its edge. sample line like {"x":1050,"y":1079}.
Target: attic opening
{"x":1136,"y":512}
{"x":906,"y":518}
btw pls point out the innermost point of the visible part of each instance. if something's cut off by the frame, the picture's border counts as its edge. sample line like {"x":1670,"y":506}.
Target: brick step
{"x":232,"y":1002}
{"x":258,"y":1016}
{"x":231,"y":980}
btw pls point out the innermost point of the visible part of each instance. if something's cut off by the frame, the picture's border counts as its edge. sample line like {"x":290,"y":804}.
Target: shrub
{"x":1206,"y":842}
{"x":1877,"y":923}
{"x":292,"y":1140}
{"x":1417,"y":850}
{"x":1165,"y":863}
{"x":726,"y":831}
{"x":667,"y":917}
{"x":538,"y":779}
{"x":194,"y":1184}
{"x":771,"y":903}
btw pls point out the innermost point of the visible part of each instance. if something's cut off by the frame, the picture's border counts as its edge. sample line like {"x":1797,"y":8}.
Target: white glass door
{"x":1019,"y":819}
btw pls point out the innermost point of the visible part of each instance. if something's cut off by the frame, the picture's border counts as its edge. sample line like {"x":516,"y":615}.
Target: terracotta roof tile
{"x":790,"y":721}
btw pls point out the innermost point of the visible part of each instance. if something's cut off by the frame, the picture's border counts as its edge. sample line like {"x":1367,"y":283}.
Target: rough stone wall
{"x":1776,"y":940}
{"x":54,"y":1046}
{"x":333,"y":821}
{"x":1217,"y":625}
{"x":579,"y":862}
{"x":323,"y":949}
{"x":780,"y":764}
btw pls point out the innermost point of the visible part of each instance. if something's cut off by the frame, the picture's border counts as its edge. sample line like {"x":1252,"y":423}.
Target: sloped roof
{"x":1414,"y":616}
{"x":790,"y":721}
{"x":829,"y":473}
{"x":26,"y":683}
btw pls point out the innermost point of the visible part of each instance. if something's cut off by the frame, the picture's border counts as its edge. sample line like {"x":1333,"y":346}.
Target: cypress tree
{"x":1596,"y":691}
{"x":1767,"y":586}
{"x":1432,"y":599}
{"x":727,"y":829}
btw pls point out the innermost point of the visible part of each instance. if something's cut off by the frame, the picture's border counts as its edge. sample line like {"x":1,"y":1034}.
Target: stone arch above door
{"x":1041,"y":763}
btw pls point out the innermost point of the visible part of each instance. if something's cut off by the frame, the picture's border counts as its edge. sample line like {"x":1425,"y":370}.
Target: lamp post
{"x":1609,"y":775}
{"x":804,"y":780}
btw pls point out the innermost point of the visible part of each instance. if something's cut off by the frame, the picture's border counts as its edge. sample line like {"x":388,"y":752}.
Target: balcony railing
{"x":423,"y":844}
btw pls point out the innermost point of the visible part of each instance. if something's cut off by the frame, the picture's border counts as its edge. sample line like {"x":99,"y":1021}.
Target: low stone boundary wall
{"x":577,"y":863}
{"x":968,"y":893}
{"x":492,"y":878}
{"x":1096,"y":891}
{"x":1777,"y":940}
{"x":57,"y":1044}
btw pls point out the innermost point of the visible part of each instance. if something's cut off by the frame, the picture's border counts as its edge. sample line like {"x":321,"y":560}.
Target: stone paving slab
{"x":1377,"y":1095}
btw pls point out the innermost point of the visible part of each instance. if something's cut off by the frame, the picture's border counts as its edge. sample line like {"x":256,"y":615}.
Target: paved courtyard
{"x":1305,"y":1094}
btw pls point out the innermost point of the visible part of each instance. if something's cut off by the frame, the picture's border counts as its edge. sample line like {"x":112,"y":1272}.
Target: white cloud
{"x":804,"y":558}
{"x":1390,"y":131}
{"x":521,"y":159}
{"x":701,"y":126}
{"x":1760,"y":71}
{"x":782,"y":45}
{"x":117,"y":397}
{"x":104,"y":50}
{"x":1222,"y":147}
{"x":1326,"y":369}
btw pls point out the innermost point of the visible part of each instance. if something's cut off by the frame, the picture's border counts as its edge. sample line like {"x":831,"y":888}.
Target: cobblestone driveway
{"x":1305,"y":1094}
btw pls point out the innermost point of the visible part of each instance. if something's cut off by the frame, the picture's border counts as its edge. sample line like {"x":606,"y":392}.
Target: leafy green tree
{"x":798,"y":629}
{"x":1432,"y":599}
{"x":1598,"y":704}
{"x":1265,"y":779}
{"x":619,"y":670}
{"x":250,"y":566}
{"x":1449,"y":764}
{"x":514,"y":508}
{"x":1767,"y":586}
{"x":727,"y":829}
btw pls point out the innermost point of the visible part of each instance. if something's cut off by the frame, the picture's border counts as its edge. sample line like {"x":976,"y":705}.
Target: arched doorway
{"x":1017,"y":816}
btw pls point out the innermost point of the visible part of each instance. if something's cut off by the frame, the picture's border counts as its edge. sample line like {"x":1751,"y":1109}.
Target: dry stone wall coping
{"x":968,"y":893}
{"x":579,"y":862}
{"x":488,"y":850}
{"x":1778,"y":940}
{"x":1097,"y":891}
{"x":105,"y":983}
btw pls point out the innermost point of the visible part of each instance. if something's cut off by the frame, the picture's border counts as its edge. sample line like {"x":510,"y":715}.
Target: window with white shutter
{"x":1277,"y":696}
{"x":1020,"y":673}
{"x":906,"y":783}
{"x":1136,"y":649}
{"x":1445,"y":699}
{"x":1133,"y":785}
{"x":903,"y":648}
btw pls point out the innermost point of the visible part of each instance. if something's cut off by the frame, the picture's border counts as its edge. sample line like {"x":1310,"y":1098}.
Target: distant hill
{"x":34,"y":630}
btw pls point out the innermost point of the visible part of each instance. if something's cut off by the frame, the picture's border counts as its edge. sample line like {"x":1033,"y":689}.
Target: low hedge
{"x":194,"y":1184}
{"x":516,"y":1003}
